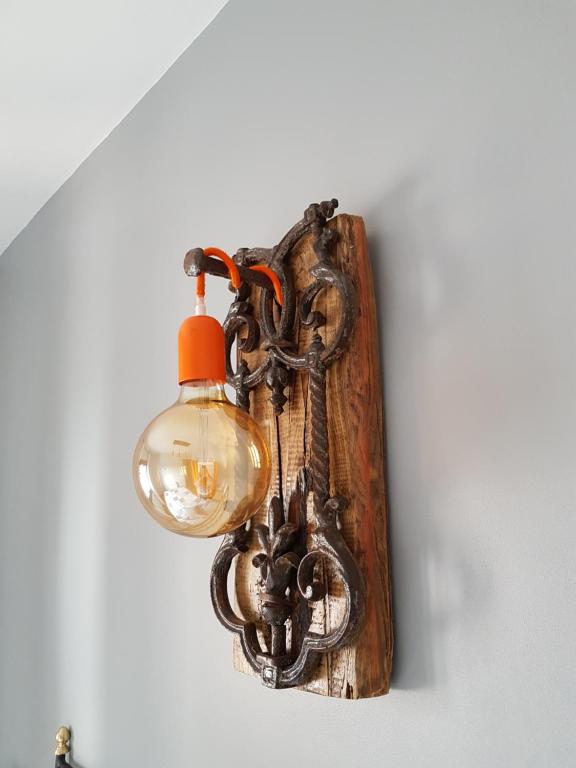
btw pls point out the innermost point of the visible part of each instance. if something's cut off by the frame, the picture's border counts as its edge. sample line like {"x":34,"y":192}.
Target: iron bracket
{"x":288,"y":567}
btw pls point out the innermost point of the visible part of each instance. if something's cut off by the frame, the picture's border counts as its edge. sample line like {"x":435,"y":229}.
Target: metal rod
{"x":196,"y":262}
{"x":320,"y":459}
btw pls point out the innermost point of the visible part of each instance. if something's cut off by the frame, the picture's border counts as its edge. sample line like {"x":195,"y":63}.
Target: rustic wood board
{"x":357,"y":466}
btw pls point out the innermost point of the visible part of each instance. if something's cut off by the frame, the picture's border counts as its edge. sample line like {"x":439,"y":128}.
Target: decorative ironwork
{"x":288,"y":582}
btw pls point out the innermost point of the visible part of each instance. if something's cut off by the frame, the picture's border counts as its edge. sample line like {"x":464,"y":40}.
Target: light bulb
{"x":202,"y":467}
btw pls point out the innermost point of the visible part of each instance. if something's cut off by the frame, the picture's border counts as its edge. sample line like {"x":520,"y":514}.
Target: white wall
{"x":449,"y":126}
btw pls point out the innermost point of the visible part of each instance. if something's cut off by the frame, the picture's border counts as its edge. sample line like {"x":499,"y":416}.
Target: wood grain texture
{"x":357,"y":467}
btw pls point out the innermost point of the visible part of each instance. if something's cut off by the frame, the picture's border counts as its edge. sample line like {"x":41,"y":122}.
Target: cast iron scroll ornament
{"x":288,"y":583}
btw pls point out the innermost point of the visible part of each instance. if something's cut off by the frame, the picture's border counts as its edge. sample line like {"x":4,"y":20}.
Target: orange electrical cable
{"x":235,"y":278}
{"x":232,"y":268}
{"x":274,"y":279}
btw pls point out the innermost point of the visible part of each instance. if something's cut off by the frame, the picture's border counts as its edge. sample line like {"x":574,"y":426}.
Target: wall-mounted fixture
{"x":312,"y":587}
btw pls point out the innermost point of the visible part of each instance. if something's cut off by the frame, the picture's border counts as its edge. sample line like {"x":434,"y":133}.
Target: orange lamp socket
{"x":201,"y":350}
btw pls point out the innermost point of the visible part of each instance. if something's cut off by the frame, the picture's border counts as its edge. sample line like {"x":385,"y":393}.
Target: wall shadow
{"x":433,"y":584}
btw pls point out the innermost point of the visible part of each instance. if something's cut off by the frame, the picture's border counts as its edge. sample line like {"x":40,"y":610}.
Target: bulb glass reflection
{"x":202,"y":467}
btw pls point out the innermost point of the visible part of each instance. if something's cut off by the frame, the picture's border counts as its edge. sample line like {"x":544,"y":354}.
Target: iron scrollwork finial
{"x":288,"y":582}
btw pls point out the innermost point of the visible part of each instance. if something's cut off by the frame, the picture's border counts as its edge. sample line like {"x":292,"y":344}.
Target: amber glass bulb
{"x":202,"y":467}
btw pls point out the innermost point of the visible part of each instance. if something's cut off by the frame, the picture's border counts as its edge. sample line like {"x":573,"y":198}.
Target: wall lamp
{"x":292,"y":475}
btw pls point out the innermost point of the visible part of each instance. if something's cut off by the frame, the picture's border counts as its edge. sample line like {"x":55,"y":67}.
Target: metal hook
{"x":235,"y":278}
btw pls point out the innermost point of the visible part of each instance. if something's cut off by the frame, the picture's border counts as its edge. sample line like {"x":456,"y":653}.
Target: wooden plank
{"x":356,"y":432}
